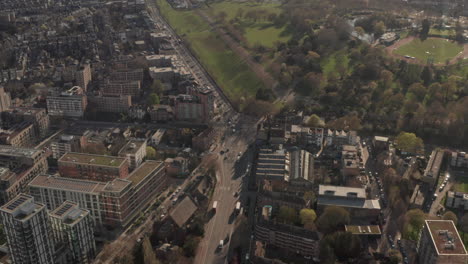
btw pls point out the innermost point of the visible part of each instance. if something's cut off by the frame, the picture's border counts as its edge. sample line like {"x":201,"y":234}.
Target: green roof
{"x":144,"y":170}
{"x":83,"y":158}
{"x":363,"y":229}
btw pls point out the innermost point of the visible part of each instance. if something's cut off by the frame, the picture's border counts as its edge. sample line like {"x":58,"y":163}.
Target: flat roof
{"x":16,"y":151}
{"x":341,"y":191}
{"x":183,"y":211}
{"x":91,"y":159}
{"x":69,"y":213}
{"x":379,"y":138}
{"x":363,"y":229}
{"x":445,"y":237}
{"x":67,"y":184}
{"x":144,"y":170}
{"x":132,"y":147}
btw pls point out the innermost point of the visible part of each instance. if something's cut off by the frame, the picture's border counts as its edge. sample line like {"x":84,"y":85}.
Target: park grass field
{"x":232,"y":74}
{"x":439,"y":49}
{"x":260,"y":32}
{"x":338,"y":58}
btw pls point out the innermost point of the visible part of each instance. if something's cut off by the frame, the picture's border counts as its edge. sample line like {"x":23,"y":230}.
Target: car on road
{"x":441,"y":188}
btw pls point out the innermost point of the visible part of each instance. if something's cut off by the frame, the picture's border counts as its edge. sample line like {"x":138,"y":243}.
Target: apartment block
{"x":19,"y":135}
{"x":5,"y":100}
{"x":73,"y":228}
{"x":287,"y":237}
{"x":113,"y":203}
{"x":440,"y":243}
{"x":92,"y":167}
{"x":111,"y":104}
{"x":134,"y":151}
{"x":459,"y":159}
{"x":306,"y":135}
{"x":64,"y":144}
{"x":17,"y":168}
{"x":36,"y":116}
{"x":431,"y":173}
{"x":83,"y":76}
{"x":26,"y":227}
{"x":117,"y":88}
{"x":71,"y":103}
{"x":127,"y":75}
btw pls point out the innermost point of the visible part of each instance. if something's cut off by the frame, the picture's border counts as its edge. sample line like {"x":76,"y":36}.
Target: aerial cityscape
{"x":233,"y":131}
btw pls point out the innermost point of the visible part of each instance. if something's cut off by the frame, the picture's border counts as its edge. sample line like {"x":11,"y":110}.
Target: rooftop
{"x":433,"y":166}
{"x":183,"y":211}
{"x":17,"y":152}
{"x":363,"y":229}
{"x":144,"y":170}
{"x":379,"y":138}
{"x":132,"y":147}
{"x":69,"y":213}
{"x":67,"y":184}
{"x":22,"y":207}
{"x":445,"y":237}
{"x":100,"y":160}
{"x":340,"y":191}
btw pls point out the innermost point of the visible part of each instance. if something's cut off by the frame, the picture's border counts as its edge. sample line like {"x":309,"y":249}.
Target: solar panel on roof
{"x":63,"y":209}
{"x":16,"y":203}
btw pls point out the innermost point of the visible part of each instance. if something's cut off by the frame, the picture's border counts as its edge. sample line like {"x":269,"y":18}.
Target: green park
{"x":435,"y":50}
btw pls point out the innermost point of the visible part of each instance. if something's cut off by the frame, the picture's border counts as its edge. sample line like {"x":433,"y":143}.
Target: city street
{"x":231,"y":170}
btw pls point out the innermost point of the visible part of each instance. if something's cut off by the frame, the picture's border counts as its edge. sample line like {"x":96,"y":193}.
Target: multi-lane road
{"x":230,"y":174}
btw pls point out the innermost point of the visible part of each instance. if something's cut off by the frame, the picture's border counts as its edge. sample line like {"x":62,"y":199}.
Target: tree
{"x":315,"y":121}
{"x":394,"y":256}
{"x":153,"y":99}
{"x":427,"y":75}
{"x":190,"y":245}
{"x":379,"y":28}
{"x":307,"y":216}
{"x":332,"y":218}
{"x":426,"y":26}
{"x":287,"y":215}
{"x":150,"y":153}
{"x":449,"y":215}
{"x":409,"y":142}
{"x":345,"y":245}
{"x":414,"y":221}
{"x":157,"y":87}
{"x":360,"y":31}
{"x":148,"y":252}
{"x":309,"y":196}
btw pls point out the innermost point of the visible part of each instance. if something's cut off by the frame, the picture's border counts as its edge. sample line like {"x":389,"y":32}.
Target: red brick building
{"x":93,"y":167}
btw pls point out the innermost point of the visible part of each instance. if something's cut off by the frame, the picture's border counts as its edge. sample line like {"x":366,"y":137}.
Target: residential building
{"x":111,"y":104}
{"x":135,"y":75}
{"x":157,"y":137}
{"x":288,"y":237}
{"x":36,"y":116}
{"x":431,"y":173}
{"x":165,"y":74}
{"x":113,"y":203}
{"x":18,"y":167}
{"x":161,"y":60}
{"x":459,"y":159}
{"x":203,"y":141}
{"x":92,"y":167}
{"x":134,"y":151}
{"x":457,"y":200}
{"x":71,"y":103}
{"x":439,"y":242}
{"x":352,"y":199}
{"x":273,"y":164}
{"x":176,"y":166}
{"x":83,"y":76}
{"x":64,"y":144}
{"x":118,"y":88}
{"x":306,"y":135}
{"x":278,"y":199}
{"x":27,"y":228}
{"x":188,"y":107}
{"x":137,"y":112}
{"x":73,"y":227}
{"x":161,"y":113}
{"x":350,"y":162}
{"x":380,"y":143}
{"x":5,"y":99}
{"x":19,"y":135}
{"x":340,"y":137}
